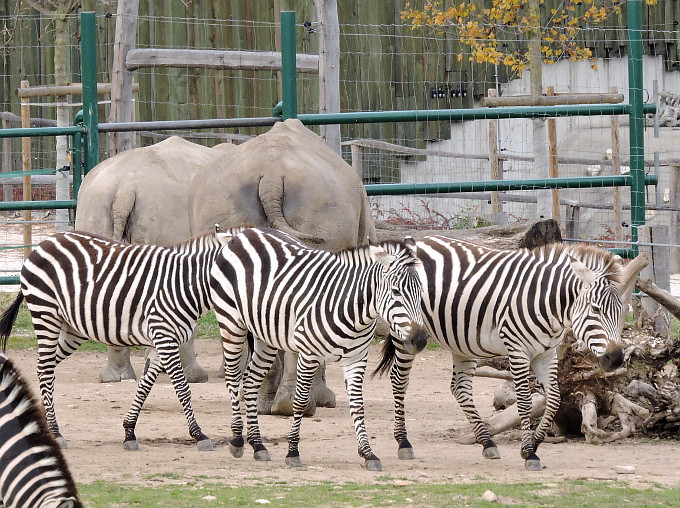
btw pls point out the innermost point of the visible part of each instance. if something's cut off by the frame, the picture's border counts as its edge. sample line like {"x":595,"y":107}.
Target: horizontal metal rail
{"x":169,"y":125}
{"x":9,"y":279}
{"x":32,"y":172}
{"x":33,"y":132}
{"x":390,"y":189}
{"x":37,"y":205}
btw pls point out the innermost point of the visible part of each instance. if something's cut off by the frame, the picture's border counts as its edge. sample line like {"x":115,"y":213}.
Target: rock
{"x":489,"y":497}
{"x":624,"y":469}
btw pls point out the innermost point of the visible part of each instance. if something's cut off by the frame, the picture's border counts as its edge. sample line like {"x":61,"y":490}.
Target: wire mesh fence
{"x":384,"y":65}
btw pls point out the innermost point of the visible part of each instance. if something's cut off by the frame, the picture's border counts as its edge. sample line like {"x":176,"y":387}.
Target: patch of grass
{"x":382,"y":493}
{"x":207,"y":327}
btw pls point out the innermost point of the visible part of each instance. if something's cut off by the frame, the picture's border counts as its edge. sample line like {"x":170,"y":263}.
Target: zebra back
{"x":34,"y":471}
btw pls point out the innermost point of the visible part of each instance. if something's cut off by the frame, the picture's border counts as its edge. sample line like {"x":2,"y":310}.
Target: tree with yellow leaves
{"x":481,"y":26}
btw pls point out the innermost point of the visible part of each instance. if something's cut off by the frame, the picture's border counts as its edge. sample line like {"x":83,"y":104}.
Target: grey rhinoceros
{"x":141,"y":196}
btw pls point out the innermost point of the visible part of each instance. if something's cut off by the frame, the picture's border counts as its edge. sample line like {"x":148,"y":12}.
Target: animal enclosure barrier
{"x":513,"y":179}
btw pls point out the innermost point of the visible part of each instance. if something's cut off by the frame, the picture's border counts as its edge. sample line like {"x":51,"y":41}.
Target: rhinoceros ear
{"x":381,"y":255}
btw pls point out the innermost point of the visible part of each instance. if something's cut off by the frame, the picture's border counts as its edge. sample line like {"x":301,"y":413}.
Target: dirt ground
{"x":91,"y":413}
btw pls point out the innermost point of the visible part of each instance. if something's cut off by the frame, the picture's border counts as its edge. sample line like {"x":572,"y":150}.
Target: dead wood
{"x":661,"y":296}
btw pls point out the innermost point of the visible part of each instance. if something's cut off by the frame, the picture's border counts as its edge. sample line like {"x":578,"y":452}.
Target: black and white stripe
{"x":481,"y":303}
{"x":80,"y":286}
{"x":319,"y":304}
{"x":33,"y":472}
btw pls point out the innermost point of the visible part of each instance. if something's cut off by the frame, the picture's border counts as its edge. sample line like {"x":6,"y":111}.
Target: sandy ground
{"x":90,"y":415}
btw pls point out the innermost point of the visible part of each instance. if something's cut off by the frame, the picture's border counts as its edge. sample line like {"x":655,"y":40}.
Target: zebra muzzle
{"x":612,"y":358}
{"x":416,"y":341}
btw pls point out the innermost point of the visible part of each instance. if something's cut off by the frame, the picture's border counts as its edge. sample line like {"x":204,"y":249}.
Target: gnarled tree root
{"x":628,"y":413}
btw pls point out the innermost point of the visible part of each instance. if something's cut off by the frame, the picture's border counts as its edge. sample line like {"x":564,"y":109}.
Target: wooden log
{"x":507,"y":419}
{"x":555,"y":100}
{"x":661,"y":296}
{"x":630,"y":275}
{"x":490,"y":372}
{"x":72,"y":89}
{"x":216,"y":59}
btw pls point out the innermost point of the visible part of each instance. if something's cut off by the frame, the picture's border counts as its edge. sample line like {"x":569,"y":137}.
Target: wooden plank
{"x":72,"y":89}
{"x":26,"y":166}
{"x":215,"y":59}
{"x":557,"y":99}
{"x":329,"y":68}
{"x":552,"y":161}
{"x":494,"y":166}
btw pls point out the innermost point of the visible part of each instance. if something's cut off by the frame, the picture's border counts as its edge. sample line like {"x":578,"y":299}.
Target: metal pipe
{"x":288,"y":65}
{"x":170,"y":125}
{"x":636,"y":130}
{"x":32,"y":132}
{"x":503,"y":185}
{"x":88,"y":66}
{"x":469,"y":114}
{"x":36,"y":205}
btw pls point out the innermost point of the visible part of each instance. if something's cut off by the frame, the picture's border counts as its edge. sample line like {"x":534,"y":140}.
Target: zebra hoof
{"x":262,"y":455}
{"x":293,"y":461}
{"x":406,"y":454}
{"x":205,"y":445}
{"x":236,"y":451}
{"x":131,"y":446}
{"x":533,"y":464}
{"x":491,"y":453}
{"x":373,"y":465}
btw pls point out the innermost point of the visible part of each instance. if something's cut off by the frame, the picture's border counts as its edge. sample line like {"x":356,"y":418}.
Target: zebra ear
{"x":584,"y":273}
{"x":381,"y":255}
{"x":410,"y":242}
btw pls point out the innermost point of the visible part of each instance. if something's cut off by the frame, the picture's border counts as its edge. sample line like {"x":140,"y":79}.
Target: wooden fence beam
{"x":556,"y":100}
{"x":72,"y":89}
{"x":216,"y":59}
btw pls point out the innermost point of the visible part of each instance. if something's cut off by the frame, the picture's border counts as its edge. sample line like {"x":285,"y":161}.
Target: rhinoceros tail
{"x":121,"y":209}
{"x":271,"y":192}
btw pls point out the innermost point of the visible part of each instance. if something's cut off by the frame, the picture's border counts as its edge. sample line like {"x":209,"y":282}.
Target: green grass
{"x":383,"y":492}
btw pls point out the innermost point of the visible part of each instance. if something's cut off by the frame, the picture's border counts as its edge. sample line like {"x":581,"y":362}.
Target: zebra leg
{"x":461,"y":387}
{"x":54,"y":345}
{"x":146,"y":382}
{"x":168,"y":352}
{"x":261,"y":361}
{"x":519,"y":366}
{"x":234,"y":347}
{"x":354,"y":381}
{"x":399,"y":376}
{"x":545,"y":368}
{"x":306,"y":368}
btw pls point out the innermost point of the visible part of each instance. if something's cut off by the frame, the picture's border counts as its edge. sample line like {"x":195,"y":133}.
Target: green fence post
{"x":88,"y":66}
{"x":637,"y":147}
{"x":288,"y":65}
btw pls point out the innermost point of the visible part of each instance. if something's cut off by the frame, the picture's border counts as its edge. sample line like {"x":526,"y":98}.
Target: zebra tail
{"x":388,"y":355}
{"x":7,"y":320}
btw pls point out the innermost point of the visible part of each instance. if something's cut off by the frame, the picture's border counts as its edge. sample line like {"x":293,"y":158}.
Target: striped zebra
{"x":481,"y":303}
{"x":319,"y":304}
{"x":80,"y":286}
{"x":33,"y":471}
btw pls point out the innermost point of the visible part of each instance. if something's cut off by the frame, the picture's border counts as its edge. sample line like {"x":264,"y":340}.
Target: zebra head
{"x":398,"y":292}
{"x":597,"y":311}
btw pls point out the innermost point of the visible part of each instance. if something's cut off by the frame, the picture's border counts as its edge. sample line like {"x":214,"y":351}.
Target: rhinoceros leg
{"x":321,"y":395}
{"x":118,"y":367}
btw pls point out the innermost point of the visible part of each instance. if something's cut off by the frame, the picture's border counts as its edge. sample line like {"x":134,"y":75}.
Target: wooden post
{"x":121,"y":77}
{"x":616,"y":170}
{"x":658,"y":271}
{"x":358,"y":160}
{"x":494,"y":167}
{"x":26,"y":166}
{"x":674,"y":228}
{"x":7,"y":190}
{"x":329,"y":68}
{"x":552,"y":161}
{"x":572,"y":221}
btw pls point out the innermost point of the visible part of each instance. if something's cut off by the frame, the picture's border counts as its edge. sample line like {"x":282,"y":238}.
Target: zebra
{"x":79,"y":286}
{"x":480,"y":302}
{"x":319,"y":304}
{"x":33,"y":470}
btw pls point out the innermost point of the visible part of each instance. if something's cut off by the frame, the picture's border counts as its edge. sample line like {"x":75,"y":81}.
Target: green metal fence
{"x":85,"y":135}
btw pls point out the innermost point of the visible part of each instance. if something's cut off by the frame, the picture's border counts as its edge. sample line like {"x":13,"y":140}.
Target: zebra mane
{"x":391,"y":246}
{"x":599,"y":260}
{"x":28,"y":413}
